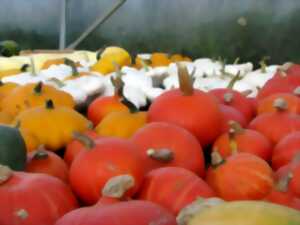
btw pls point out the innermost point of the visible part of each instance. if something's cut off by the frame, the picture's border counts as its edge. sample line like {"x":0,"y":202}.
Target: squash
{"x":242,"y":176}
{"x":33,"y":199}
{"x":174,"y":188}
{"x":194,"y":110}
{"x":57,"y":61}
{"x":167,"y":145}
{"x":106,"y":162}
{"x":53,"y":126}
{"x":110,"y":57}
{"x":180,"y":58}
{"x":43,"y":161}
{"x":125,"y":213}
{"x":160,"y":59}
{"x":5,"y":118}
{"x":246,"y":213}
{"x":6,"y":89}
{"x":31,"y":141}
{"x":12,"y":148}
{"x":231,"y":114}
{"x":32,"y":95}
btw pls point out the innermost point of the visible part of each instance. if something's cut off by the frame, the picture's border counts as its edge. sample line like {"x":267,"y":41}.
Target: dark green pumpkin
{"x":12,"y":148}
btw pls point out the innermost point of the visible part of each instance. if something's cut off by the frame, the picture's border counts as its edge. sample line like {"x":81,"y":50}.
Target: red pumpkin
{"x":106,"y":159}
{"x":285,"y":151}
{"x":283,"y":198}
{"x":243,"y":140}
{"x":102,"y":106}
{"x":75,"y":147}
{"x":236,"y":100}
{"x":124,"y":213}
{"x":231,"y":114}
{"x":290,"y":174}
{"x":276,"y":125}
{"x":42,"y":161}
{"x":174,"y":188}
{"x":290,"y":102}
{"x":33,"y":199}
{"x":162,"y":144}
{"x":242,"y":176}
{"x":191,"y":109}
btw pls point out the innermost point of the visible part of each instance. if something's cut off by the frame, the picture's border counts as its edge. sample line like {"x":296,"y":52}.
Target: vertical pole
{"x":63,"y":25}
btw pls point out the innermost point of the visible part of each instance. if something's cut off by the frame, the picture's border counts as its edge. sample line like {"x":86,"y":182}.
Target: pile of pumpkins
{"x":190,"y":158}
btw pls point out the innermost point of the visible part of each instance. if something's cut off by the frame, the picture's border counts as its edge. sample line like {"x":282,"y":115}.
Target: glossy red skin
{"x":101,"y":106}
{"x":45,"y":198}
{"x":124,"y":213}
{"x":243,"y":176}
{"x":277,"y":125}
{"x":174,"y":188}
{"x":239,"y":101}
{"x":199,"y":113}
{"x":286,"y":150}
{"x":283,"y":198}
{"x":185,"y":147}
{"x":110,"y":157}
{"x":52,"y":165}
{"x":75,"y":147}
{"x":249,"y":141}
{"x":254,"y":103}
{"x":266,"y":105}
{"x":294,"y":183}
{"x":231,"y":114}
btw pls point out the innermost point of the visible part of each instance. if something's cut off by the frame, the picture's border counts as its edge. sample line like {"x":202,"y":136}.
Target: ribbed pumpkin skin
{"x":124,"y":213}
{"x":242,"y":176}
{"x":174,"y":188}
{"x":12,"y":148}
{"x":247,"y":213}
{"x":38,"y":199}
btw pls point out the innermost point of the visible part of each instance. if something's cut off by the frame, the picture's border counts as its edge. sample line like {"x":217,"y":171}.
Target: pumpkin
{"x":236,"y":100}
{"x":124,"y":213}
{"x":107,"y":161}
{"x":53,"y":126}
{"x":242,"y":176}
{"x":75,"y":147}
{"x":276,"y":125}
{"x":12,"y":72}
{"x":32,"y":95}
{"x":194,"y":110}
{"x":283,"y":198}
{"x":48,"y":63}
{"x":246,"y":213}
{"x":289,"y":175}
{"x":12,"y":148}
{"x":180,"y":58}
{"x":31,"y":141}
{"x":102,"y":106}
{"x":42,"y":161}
{"x":6,"y":89}
{"x":141,"y":62}
{"x":243,"y":140}
{"x":290,"y":102}
{"x":33,"y":199}
{"x":110,"y":57}
{"x":5,"y":118}
{"x":173,"y":188}
{"x":162,"y":144}
{"x":286,"y":150}
{"x":231,"y":114}
{"x":160,"y":59}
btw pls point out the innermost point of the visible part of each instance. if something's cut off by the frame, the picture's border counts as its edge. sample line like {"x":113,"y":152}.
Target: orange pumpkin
{"x":160,"y":59}
{"x":5,"y":118}
{"x":6,"y":89}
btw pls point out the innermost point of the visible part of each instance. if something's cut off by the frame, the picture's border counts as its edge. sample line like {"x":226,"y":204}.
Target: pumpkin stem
{"x":5,"y":174}
{"x":100,"y":51}
{"x":24,"y":67}
{"x":38,"y":88}
{"x":1,"y":83}
{"x":34,"y":73}
{"x":297,"y":91}
{"x":84,"y":139}
{"x":216,"y":159}
{"x":41,"y":154}
{"x":234,"y":80}
{"x":49,"y":104}
{"x":280,"y":104}
{"x":22,"y":214}
{"x":117,"y":186}
{"x":162,"y":155}
{"x":283,"y":183}
{"x":263,"y":64}
{"x":246,"y":93}
{"x":72,"y":64}
{"x":118,"y":84}
{"x":185,"y":80}
{"x":235,"y":129}
{"x":228,"y":97}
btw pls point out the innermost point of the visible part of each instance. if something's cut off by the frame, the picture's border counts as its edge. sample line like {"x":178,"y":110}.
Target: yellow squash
{"x":52,"y":126}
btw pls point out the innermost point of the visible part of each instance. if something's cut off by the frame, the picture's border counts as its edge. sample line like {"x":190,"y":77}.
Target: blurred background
{"x":248,"y":29}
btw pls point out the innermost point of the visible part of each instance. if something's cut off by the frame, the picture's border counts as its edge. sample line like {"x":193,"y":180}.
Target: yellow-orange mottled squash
{"x":52,"y":126}
{"x":6,"y":89}
{"x":111,"y":57}
{"x":32,"y":95}
{"x":121,"y":124}
{"x":5,"y":118}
